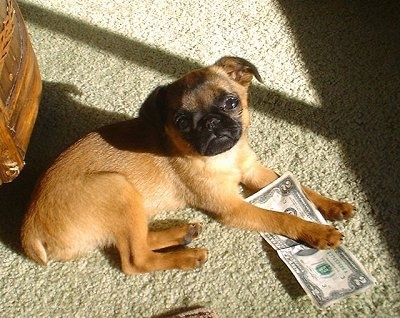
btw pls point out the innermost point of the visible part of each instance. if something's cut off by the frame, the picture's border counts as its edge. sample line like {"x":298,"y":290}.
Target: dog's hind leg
{"x":149,"y":261}
{"x":174,"y":236}
{"x":136,"y":249}
{"x":137,"y":255}
{"x":135,"y":243}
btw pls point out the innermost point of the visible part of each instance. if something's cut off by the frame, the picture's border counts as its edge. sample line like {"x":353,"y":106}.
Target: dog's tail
{"x":32,"y":245}
{"x":35,"y":250}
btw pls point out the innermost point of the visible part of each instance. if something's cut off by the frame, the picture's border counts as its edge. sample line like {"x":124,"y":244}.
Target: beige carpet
{"x":328,"y":112}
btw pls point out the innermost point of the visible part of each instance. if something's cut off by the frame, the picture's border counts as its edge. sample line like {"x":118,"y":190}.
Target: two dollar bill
{"x":327,"y":276}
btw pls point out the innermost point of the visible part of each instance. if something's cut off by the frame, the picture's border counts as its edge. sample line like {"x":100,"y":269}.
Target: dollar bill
{"x":327,"y":276}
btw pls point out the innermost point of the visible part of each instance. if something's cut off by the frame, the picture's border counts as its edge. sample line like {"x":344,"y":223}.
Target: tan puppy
{"x":188,"y":147}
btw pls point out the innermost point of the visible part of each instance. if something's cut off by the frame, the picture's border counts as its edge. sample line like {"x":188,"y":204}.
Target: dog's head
{"x":205,"y":112}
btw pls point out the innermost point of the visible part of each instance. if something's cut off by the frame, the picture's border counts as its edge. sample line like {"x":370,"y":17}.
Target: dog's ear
{"x":239,"y":69}
{"x":154,"y":110}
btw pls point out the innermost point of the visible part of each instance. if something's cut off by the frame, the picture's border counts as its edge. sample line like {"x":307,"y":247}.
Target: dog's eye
{"x":182,"y":123}
{"x":231,"y":103}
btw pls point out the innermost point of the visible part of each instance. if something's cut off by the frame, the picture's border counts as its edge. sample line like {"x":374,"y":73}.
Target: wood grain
{"x":20,"y":88}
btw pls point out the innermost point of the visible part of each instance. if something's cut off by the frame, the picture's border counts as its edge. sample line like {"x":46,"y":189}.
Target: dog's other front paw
{"x":336,"y":211}
{"x":321,"y":236}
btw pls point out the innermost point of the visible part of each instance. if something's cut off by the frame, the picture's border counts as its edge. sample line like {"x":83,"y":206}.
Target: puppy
{"x":188,"y":147}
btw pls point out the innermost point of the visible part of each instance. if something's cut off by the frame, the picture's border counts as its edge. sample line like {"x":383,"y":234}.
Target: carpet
{"x":328,"y":111}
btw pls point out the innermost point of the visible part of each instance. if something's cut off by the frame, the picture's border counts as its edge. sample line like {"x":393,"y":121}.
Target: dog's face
{"x":205,"y":111}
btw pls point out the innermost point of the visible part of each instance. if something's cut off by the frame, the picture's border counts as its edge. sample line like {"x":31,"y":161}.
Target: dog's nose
{"x":212,"y":123}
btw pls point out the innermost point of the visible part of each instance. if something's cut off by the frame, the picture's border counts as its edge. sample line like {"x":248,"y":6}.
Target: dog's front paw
{"x":321,"y":236}
{"x":336,"y":211}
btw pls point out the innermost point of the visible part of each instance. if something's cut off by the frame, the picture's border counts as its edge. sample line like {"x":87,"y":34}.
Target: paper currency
{"x":327,"y":276}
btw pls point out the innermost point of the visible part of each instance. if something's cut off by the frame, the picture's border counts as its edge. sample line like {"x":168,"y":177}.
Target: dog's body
{"x":188,"y":147}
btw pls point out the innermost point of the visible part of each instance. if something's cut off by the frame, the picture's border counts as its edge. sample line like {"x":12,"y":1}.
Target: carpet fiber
{"x":328,"y":111}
